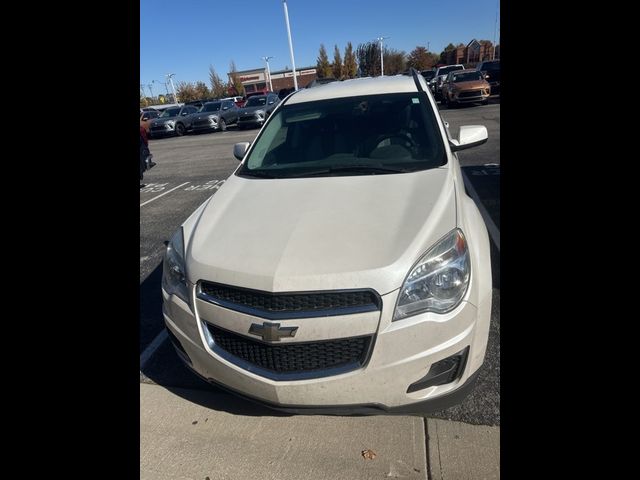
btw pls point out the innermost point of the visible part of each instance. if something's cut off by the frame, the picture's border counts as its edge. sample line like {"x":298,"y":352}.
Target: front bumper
{"x":402,"y":354}
{"x":476,"y":98}
{"x":166,"y":131}
{"x":250,"y":123}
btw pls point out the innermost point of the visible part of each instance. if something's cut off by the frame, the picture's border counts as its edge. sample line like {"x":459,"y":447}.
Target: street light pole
{"x":381,"y":39}
{"x":266,"y":59}
{"x":173,"y":88}
{"x":293,"y":62}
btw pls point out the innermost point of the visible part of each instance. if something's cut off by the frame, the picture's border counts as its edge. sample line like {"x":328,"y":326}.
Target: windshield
{"x":467,"y":77}
{"x":256,"y":102}
{"x":491,"y":66}
{"x":445,"y":70}
{"x":211,"y":107}
{"x":170,"y":112}
{"x":428,"y":75}
{"x":371,"y":134}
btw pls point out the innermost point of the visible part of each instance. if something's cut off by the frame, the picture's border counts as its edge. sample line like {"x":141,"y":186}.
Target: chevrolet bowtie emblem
{"x":271,"y":332}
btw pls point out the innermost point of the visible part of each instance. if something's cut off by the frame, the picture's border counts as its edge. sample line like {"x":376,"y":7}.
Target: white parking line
{"x":152,"y":347}
{"x":494,"y":233}
{"x":163,"y":194}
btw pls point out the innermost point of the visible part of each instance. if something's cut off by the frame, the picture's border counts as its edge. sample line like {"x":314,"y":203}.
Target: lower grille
{"x":248,"y":118}
{"x":475,"y":93}
{"x":158,"y":127}
{"x":202,"y":123}
{"x":294,"y":357}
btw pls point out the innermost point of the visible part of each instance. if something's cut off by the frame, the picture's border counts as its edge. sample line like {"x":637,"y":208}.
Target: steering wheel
{"x":405,"y":141}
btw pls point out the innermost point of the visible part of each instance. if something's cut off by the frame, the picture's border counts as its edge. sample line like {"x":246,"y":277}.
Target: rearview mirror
{"x":239,"y":150}
{"x":470,"y":136}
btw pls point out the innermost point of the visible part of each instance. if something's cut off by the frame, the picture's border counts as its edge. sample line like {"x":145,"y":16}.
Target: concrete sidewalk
{"x":189,"y":434}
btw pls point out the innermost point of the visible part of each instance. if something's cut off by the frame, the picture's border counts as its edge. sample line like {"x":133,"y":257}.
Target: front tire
{"x":180,"y":129}
{"x":223,"y":125}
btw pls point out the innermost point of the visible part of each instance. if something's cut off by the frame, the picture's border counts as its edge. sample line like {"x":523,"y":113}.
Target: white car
{"x":341,"y":268}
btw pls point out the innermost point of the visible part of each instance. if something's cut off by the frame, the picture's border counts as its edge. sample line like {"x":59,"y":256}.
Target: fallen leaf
{"x":194,"y":422}
{"x":368,"y":454}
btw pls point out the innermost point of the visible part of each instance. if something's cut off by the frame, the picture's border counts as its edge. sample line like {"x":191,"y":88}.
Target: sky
{"x":188,"y":36}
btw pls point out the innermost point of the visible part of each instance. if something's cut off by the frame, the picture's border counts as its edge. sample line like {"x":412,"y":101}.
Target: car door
{"x":446,"y":86}
{"x":225,"y":111}
{"x":186,"y":114}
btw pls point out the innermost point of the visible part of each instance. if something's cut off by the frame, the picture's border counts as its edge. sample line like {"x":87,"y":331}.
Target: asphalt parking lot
{"x":191,"y":168}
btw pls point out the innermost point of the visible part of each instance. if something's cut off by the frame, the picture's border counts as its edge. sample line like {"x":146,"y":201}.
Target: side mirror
{"x":184,"y":114}
{"x":239,"y":150}
{"x":470,"y":136}
{"x":225,"y":108}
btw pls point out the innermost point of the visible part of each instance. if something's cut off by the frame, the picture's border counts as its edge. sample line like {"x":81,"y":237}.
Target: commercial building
{"x":473,"y":53}
{"x":257,"y":80}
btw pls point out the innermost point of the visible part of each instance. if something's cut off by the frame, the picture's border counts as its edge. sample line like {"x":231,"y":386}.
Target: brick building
{"x":256,"y":79}
{"x":471,"y":54}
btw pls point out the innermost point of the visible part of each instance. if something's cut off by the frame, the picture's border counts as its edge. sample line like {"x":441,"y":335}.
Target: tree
{"x":218,"y":88}
{"x":337,"y":63}
{"x":350,"y":69}
{"x":419,"y":59}
{"x":202,"y":91}
{"x":186,"y":92}
{"x":444,"y":53}
{"x":368,"y":55}
{"x":395,"y":61}
{"x":234,"y":79}
{"x":323,"y":67}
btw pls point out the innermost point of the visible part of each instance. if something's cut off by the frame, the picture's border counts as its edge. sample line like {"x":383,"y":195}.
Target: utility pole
{"x":173,"y":88}
{"x":381,"y":39}
{"x":293,"y":62}
{"x":266,"y":59}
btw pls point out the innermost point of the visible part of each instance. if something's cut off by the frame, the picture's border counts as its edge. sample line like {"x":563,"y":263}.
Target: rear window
{"x":467,"y":77}
{"x":371,"y":134}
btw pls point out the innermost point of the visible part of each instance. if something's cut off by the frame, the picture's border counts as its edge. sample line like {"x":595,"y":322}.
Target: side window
{"x":146,"y":116}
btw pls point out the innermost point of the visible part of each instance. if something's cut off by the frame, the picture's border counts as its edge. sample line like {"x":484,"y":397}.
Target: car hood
{"x":159,"y":121}
{"x":204,"y":115}
{"x":322,"y":233}
{"x":252,"y":109}
{"x":473,"y":84}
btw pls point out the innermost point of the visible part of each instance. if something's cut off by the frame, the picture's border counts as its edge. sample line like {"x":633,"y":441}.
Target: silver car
{"x":215,"y":116}
{"x":173,"y":121}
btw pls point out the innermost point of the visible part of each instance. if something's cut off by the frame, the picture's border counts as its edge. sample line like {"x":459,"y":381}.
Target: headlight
{"x":439,"y":281}
{"x":214,"y":118}
{"x":260,"y":113}
{"x":171,"y":123}
{"x":174,"y":278}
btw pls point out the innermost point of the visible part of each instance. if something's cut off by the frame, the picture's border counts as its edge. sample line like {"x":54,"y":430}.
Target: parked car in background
{"x":275,"y":290}
{"x":283,"y":92}
{"x":215,"y":116}
{"x":491,"y":69}
{"x":439,"y":76}
{"x":465,"y":86}
{"x":239,"y":101}
{"x":146,"y":117}
{"x":428,"y":75}
{"x":257,"y":110}
{"x":173,"y":121}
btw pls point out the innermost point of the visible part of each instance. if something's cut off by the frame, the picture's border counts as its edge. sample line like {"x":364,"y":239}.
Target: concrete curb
{"x":459,"y":451}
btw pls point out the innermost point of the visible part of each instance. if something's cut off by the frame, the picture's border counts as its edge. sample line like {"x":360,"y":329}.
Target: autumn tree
{"x":444,"y":53}
{"x":336,"y":67}
{"x":368,"y":55}
{"x":202,"y":91}
{"x":218,"y":88}
{"x":186,"y":92}
{"x":323,"y":67}
{"x":394,"y":61}
{"x":234,"y":79}
{"x":350,"y":69}
{"x":419,"y":59}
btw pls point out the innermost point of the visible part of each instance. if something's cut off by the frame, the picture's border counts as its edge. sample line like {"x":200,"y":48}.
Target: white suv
{"x":341,"y":268}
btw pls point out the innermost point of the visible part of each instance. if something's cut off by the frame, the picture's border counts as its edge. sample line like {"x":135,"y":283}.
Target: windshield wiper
{"x":257,"y":173}
{"x":350,"y":168}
